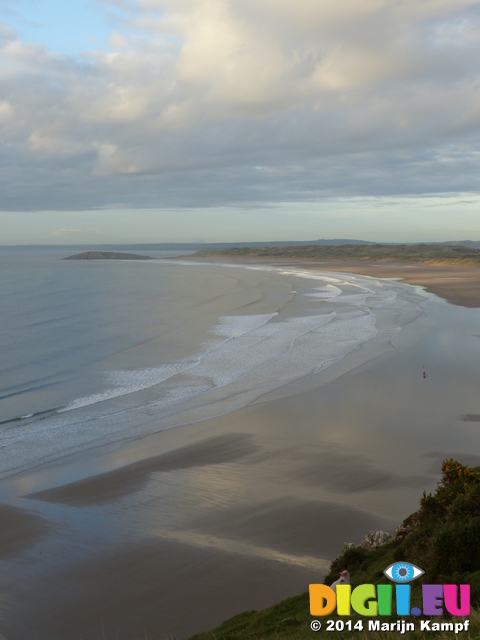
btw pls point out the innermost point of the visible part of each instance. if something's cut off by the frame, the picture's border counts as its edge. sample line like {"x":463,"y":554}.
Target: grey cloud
{"x":229,"y":103}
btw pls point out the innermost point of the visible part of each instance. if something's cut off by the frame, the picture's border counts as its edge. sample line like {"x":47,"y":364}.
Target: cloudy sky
{"x":188,"y":120}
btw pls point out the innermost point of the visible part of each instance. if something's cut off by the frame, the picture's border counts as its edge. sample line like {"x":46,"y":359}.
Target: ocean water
{"x":98,"y":352}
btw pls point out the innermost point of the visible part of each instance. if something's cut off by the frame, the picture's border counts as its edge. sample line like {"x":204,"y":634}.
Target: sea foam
{"x":246,"y":357}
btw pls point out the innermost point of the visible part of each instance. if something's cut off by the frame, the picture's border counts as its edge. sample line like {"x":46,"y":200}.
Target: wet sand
{"x":19,"y":530}
{"x":155,"y":589}
{"x":456,"y":285}
{"x":175,"y":532}
{"x":113,"y":485}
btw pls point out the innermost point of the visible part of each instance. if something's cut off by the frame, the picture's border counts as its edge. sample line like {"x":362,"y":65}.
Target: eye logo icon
{"x":403,"y":572}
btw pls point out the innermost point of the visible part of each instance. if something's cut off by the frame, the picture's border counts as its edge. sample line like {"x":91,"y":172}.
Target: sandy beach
{"x":239,"y":318}
{"x":456,"y":285}
{"x":20,"y":530}
{"x":174,"y":532}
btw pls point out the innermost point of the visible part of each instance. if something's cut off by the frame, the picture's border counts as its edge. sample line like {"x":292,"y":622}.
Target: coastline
{"x":240,"y":511}
{"x":285,"y":325}
{"x":457,"y":285}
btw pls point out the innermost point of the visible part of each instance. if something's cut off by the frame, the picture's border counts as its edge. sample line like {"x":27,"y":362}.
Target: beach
{"x":459,"y":285}
{"x":170,"y":533}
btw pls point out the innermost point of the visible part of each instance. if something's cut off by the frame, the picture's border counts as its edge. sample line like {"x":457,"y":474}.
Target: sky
{"x":230,"y":120}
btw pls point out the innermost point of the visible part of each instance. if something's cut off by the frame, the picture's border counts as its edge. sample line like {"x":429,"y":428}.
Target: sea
{"x":95,"y":352}
{"x":230,"y":426}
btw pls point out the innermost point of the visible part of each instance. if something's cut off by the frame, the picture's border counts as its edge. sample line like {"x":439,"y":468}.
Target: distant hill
{"x":192,"y":246}
{"x":331,"y":242}
{"x":107,"y":255}
{"x":196,"y":246}
{"x":404,"y":253}
{"x":462,"y":243}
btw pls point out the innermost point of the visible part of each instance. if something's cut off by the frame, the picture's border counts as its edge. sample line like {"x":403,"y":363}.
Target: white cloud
{"x":330,"y":97}
{"x":6,"y":111}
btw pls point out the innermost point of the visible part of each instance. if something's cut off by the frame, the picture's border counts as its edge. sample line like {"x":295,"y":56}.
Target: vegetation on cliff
{"x":442,"y":538}
{"x":417,"y":253}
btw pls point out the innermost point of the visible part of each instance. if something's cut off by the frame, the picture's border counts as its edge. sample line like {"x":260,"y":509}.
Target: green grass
{"x":418,"y":253}
{"x":442,"y":537}
{"x":290,"y":620}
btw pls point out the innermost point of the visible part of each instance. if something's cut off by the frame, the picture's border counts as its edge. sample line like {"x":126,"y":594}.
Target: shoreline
{"x":200,"y":523}
{"x":305,"y":354}
{"x":458,"y":285}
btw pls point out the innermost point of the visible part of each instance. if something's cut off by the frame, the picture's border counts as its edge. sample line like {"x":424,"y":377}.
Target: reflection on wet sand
{"x":240,"y":511}
{"x":344,"y":472}
{"x":291,"y":525}
{"x":19,"y":529}
{"x":111,"y":486}
{"x":164,"y":585}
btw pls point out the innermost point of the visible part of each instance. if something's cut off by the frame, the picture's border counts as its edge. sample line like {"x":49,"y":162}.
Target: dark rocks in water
{"x":107,"y":255}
